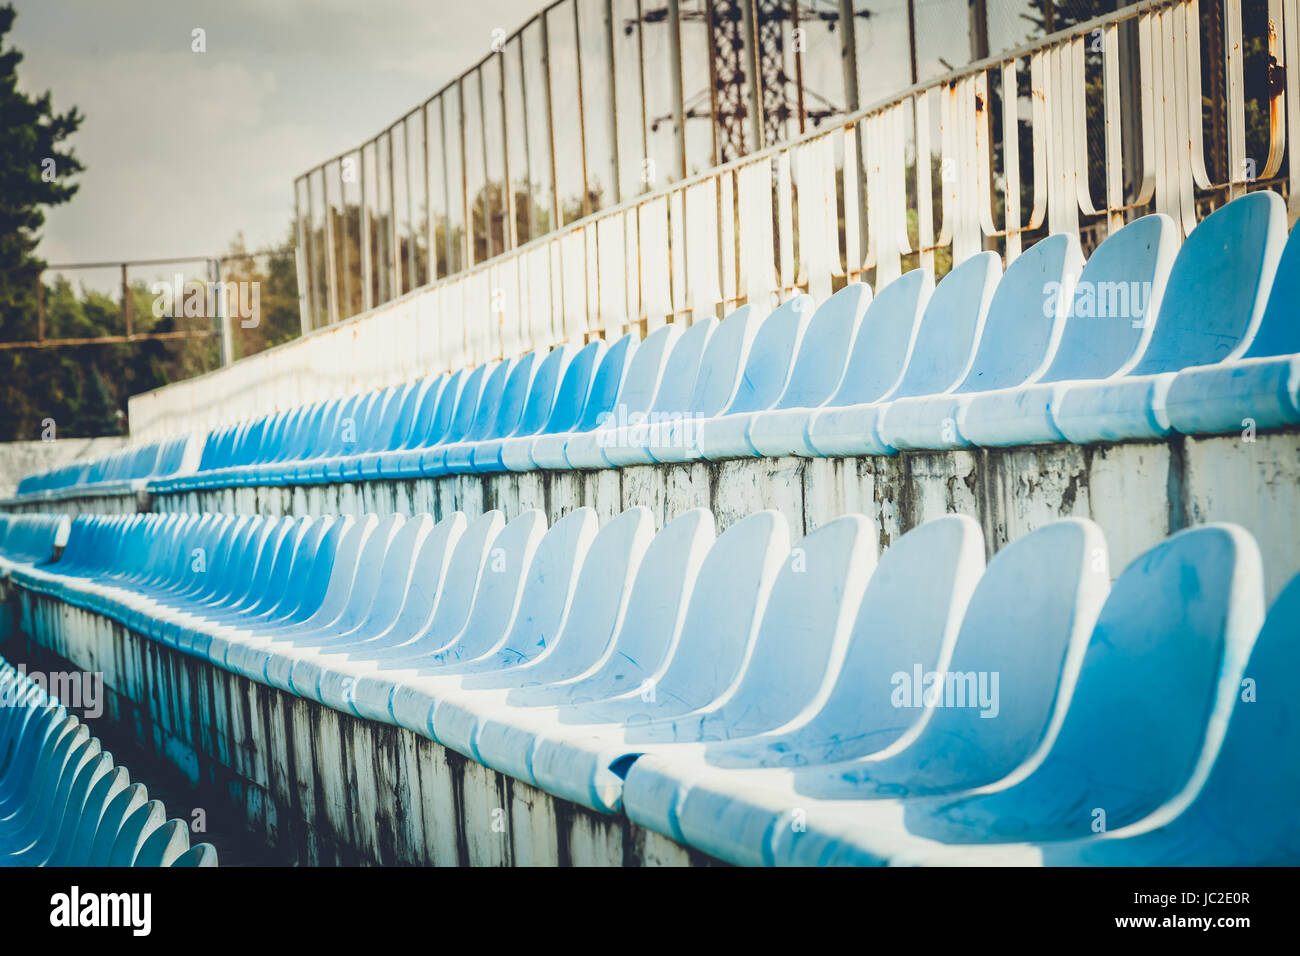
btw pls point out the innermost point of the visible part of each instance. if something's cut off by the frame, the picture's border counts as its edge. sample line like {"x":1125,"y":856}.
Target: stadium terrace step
{"x":1143,"y":339}
{"x":1139,"y":725}
{"x":763,"y":703}
{"x":63,"y":802}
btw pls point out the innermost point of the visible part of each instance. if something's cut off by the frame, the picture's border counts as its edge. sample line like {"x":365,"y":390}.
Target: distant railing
{"x":197,"y":297}
{"x":1105,"y":130}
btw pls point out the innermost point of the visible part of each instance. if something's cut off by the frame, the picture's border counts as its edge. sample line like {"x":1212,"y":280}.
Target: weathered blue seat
{"x":498,"y":412}
{"x":803,"y":633}
{"x":537,"y":402}
{"x":507,"y":729}
{"x":62,"y":800}
{"x":564,"y":412}
{"x":547,"y":449}
{"x":1015,"y":348}
{"x":591,"y":615}
{"x":1113,"y":312}
{"x":716,"y":385}
{"x":767,"y":372}
{"x":366,"y":680}
{"x":1216,"y":295}
{"x":583,"y":756}
{"x":1059,"y":576}
{"x":818,"y":369}
{"x":1262,"y":388}
{"x":1153,"y":690}
{"x":945,"y":342}
{"x":644,"y":374}
{"x":628,"y":443}
{"x":874,"y":367}
{"x":493,"y":642}
{"x":483,"y":387}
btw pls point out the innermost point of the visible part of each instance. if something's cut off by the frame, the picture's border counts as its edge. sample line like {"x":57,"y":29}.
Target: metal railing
{"x":1105,"y":129}
{"x":194,"y":293}
{"x":594,"y":102}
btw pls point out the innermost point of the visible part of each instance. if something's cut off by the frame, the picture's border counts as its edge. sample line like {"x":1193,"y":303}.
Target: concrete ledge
{"x":1138,"y":492}
{"x":320,"y":786}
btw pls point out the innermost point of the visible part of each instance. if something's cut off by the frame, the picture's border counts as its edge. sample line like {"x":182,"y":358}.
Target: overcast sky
{"x":184,"y":150}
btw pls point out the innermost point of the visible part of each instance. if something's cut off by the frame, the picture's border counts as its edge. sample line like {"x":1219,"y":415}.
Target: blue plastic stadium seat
{"x":542,"y":602}
{"x":919,"y":748}
{"x":803,"y":635}
{"x":716,"y":384}
{"x":591,"y":615}
{"x":121,"y":472}
{"x":874,"y":367}
{"x":1113,"y":312}
{"x":1262,"y":388}
{"x":629,"y":442}
{"x":1181,"y":618}
{"x":1016,"y":345}
{"x":818,"y":369}
{"x":564,"y":413}
{"x":645,"y":372}
{"x":535,"y":410}
{"x":62,"y":800}
{"x":767,"y":373}
{"x":946,"y":339}
{"x":498,"y":413}
{"x":1213,"y":303}
{"x":547,"y":450}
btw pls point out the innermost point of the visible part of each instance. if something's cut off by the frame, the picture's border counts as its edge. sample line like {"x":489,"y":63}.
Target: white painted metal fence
{"x":1111,"y":123}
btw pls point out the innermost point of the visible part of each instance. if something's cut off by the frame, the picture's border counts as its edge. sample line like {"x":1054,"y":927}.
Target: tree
{"x":36,"y":168}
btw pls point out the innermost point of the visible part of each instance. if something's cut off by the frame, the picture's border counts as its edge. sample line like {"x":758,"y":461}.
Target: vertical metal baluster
{"x":367,"y":254}
{"x":1114,"y":141}
{"x":1277,"y":101}
{"x":615,"y":185}
{"x":550,"y":123}
{"x":331,"y":244}
{"x":1236,"y":98}
{"x":1291,"y":24}
{"x":300,"y":268}
{"x":1011,"y":160}
{"x":675,"y":78}
{"x":924,"y":187}
{"x":394,"y":232}
{"x":346,"y":311}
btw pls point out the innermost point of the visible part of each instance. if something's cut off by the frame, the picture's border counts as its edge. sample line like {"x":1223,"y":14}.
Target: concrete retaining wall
{"x":320,"y":786}
{"x":18,"y":459}
{"x":1138,"y":492}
